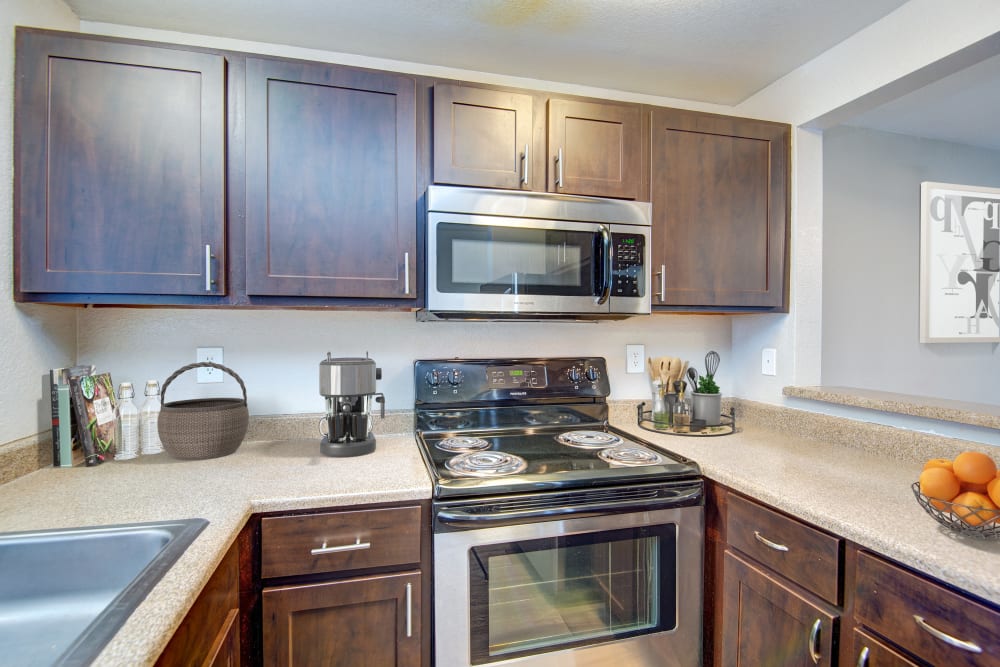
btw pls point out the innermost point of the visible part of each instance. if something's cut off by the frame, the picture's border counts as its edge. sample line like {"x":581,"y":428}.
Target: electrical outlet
{"x":634,"y":355}
{"x":769,"y":361}
{"x":213,"y":354}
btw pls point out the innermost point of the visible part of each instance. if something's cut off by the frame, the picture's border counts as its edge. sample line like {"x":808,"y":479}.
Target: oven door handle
{"x":461,"y":516}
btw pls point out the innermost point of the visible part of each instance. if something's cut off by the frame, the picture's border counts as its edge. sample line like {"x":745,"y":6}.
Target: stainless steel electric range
{"x":558,"y":540}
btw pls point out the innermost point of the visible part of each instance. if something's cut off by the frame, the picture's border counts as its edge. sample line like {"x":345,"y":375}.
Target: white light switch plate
{"x":213,"y":354}
{"x":634,"y":355}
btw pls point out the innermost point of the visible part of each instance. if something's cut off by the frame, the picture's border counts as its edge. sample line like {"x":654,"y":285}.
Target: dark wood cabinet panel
{"x":209,"y":634}
{"x":926,"y":619}
{"x":594,"y":149}
{"x":483,"y":138}
{"x":767,"y":622}
{"x":719,"y":189}
{"x":119,"y":163}
{"x":867,"y":651}
{"x":361,"y":622}
{"x":331,"y":181}
{"x":800,"y":553}
{"x":385,"y":537}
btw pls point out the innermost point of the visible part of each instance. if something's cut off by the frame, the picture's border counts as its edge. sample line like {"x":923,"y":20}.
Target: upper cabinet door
{"x":331,"y":181}
{"x":720,"y":211}
{"x":119,"y":162}
{"x":595,"y":149}
{"x":483,"y":138}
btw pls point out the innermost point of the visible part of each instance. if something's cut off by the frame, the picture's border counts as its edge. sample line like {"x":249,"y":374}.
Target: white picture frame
{"x":959,"y":263}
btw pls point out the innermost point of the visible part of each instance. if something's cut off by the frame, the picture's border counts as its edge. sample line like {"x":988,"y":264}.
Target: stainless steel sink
{"x":65,"y":593}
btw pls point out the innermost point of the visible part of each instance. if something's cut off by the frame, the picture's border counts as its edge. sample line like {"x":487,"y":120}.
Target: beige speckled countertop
{"x":259,"y":477}
{"x":851,"y":478}
{"x":801,"y":463}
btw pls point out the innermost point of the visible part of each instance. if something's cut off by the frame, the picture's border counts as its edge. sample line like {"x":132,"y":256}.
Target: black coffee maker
{"x":348,"y":383}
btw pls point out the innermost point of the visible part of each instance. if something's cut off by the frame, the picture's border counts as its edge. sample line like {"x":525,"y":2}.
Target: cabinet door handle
{"x":406,"y":273}
{"x":768,"y":543}
{"x":863,"y":657}
{"x":814,"y":641}
{"x":208,"y":268}
{"x":409,"y":610}
{"x":971,"y":647}
{"x":524,"y":169}
{"x":357,"y":546}
{"x":663,"y":282}
{"x":559,"y":168}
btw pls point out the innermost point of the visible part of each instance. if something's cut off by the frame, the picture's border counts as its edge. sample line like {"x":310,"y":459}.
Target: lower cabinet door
{"x":360,"y":622}
{"x":767,"y":622}
{"x":870,"y":652}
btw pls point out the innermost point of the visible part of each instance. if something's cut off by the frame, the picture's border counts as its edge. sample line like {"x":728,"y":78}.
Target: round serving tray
{"x":727,"y":427}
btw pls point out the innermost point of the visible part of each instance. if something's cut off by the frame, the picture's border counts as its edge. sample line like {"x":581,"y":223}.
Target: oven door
{"x":618,"y":588}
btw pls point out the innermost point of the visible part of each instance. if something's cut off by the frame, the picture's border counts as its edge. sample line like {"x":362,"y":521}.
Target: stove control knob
{"x":455,"y":377}
{"x":593,"y":374}
{"x":433,"y":378}
{"x":573,"y":374}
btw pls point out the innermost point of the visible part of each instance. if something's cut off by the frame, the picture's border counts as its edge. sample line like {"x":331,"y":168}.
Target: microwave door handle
{"x":606,"y":269}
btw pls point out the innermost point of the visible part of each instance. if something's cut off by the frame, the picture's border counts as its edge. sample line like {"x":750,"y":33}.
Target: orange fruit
{"x":939,"y":484}
{"x":969,"y":486}
{"x":939,"y":463}
{"x":982,"y":508}
{"x":974,"y":467}
{"x":993,"y":490}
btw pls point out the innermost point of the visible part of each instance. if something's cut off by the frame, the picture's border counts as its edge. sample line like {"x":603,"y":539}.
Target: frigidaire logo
{"x":523,"y":303}
{"x":518,"y":393}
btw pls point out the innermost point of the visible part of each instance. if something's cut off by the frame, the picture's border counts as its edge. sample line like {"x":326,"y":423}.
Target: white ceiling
{"x":719,"y":51}
{"x":716,"y":51}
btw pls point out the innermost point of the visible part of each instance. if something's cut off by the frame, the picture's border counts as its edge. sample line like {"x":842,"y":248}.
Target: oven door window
{"x":548,"y":594}
{"x":484,"y":259}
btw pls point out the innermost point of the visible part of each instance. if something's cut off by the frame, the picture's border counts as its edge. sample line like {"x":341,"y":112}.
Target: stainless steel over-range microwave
{"x":498,"y":254}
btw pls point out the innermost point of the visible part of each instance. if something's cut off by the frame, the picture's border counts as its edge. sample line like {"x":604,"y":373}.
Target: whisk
{"x":712,"y":360}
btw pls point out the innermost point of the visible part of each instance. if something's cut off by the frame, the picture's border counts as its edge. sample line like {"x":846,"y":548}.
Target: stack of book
{"x":83,"y":416}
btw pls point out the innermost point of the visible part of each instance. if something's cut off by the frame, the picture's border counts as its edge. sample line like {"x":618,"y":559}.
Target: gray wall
{"x":871,"y":266}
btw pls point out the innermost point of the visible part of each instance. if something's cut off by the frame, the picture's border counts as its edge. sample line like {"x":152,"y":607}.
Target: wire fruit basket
{"x":976,"y":521}
{"x":203,"y":428}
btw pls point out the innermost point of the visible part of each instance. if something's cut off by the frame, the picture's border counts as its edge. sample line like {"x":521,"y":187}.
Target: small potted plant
{"x":707,"y":401}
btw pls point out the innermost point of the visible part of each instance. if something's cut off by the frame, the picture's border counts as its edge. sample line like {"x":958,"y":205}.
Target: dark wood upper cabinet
{"x":719,"y":190}
{"x":119,"y":168}
{"x":331,"y":205}
{"x":483,"y":138}
{"x":594,"y":149}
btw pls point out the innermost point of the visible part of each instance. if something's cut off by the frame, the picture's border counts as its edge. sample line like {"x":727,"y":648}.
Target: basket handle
{"x":202,"y":364}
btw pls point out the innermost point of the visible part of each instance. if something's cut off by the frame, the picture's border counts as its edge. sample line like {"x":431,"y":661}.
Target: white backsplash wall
{"x":277,"y":352}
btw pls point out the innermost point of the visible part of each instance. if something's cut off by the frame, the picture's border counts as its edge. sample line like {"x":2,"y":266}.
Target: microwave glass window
{"x":535,"y":596}
{"x":478,"y":259}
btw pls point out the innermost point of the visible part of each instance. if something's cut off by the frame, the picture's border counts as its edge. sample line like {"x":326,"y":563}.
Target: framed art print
{"x":959,"y":263}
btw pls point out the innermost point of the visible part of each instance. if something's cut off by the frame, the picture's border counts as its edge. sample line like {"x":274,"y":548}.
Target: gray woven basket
{"x":204,"y":428}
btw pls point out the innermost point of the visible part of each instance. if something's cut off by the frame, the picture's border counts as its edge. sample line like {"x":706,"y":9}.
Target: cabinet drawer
{"x":923,"y":617}
{"x":870,"y":652}
{"x":336,"y":541}
{"x":805,"y":555}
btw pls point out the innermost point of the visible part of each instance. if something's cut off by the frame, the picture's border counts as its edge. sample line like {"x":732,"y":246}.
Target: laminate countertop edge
{"x":960,"y":412}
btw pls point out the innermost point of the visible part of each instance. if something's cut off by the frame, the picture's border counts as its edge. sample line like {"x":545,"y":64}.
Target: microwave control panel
{"x":627,"y":266}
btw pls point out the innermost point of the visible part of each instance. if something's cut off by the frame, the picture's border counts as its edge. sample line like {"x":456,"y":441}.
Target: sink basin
{"x":64,"y":593}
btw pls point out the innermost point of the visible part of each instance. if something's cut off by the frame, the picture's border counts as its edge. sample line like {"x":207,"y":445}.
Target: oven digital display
{"x":513,"y":377}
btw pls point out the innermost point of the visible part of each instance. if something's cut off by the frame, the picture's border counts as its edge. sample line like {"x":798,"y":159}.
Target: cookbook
{"x":95,"y":406}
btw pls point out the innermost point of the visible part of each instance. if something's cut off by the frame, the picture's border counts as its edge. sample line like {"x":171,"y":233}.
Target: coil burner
{"x":630,"y":455}
{"x":486,"y":464}
{"x":589,"y":439}
{"x":462,"y":444}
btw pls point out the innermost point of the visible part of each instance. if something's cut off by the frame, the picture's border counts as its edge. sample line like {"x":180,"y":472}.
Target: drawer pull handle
{"x":971,"y":647}
{"x":863,"y":657}
{"x":768,"y":543}
{"x":357,"y":546}
{"x":409,"y":610}
{"x":524,"y":171}
{"x":814,"y":641}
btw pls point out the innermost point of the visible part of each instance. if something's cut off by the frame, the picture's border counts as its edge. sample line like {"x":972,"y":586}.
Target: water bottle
{"x":149,"y":417}
{"x":128,"y":424}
